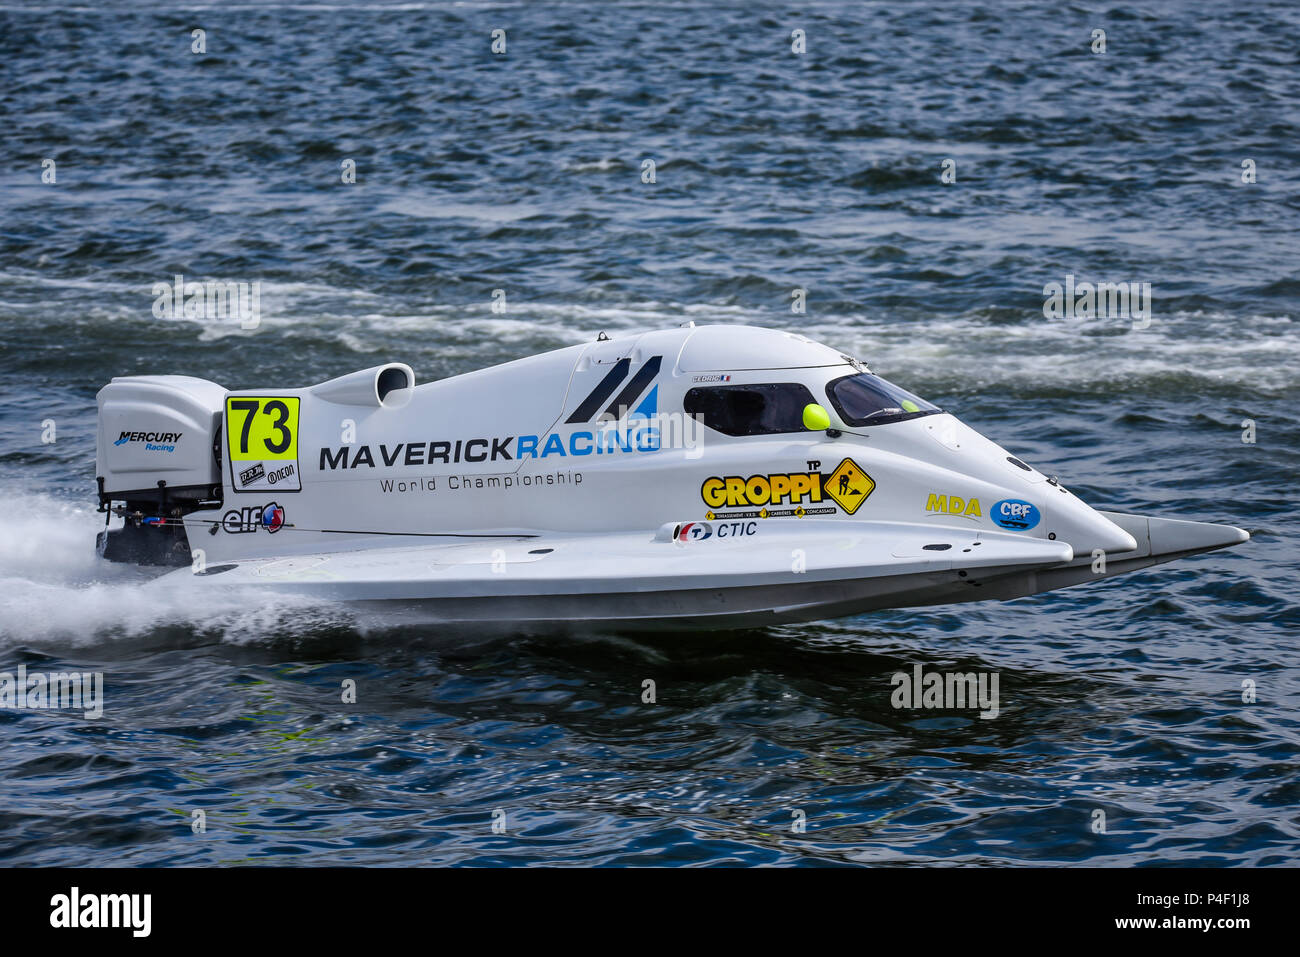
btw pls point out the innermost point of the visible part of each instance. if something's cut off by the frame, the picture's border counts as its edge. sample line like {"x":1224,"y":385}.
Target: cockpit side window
{"x":867,"y":399}
{"x":760,"y":409}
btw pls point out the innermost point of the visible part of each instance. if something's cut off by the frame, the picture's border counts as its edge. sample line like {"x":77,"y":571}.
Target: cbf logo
{"x":250,"y":518}
{"x":1015,"y":514}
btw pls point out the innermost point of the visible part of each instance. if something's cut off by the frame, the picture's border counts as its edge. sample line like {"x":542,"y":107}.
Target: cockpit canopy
{"x":866,"y":399}
{"x":758,"y":409}
{"x":770,"y":408}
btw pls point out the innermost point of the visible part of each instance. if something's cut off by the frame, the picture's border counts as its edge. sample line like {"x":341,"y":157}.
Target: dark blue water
{"x":774,"y":171}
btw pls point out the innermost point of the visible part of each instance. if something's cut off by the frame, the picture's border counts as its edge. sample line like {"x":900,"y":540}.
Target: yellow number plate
{"x":262,"y":439}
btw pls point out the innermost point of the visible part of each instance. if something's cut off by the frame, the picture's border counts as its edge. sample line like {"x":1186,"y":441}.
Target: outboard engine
{"x":158,"y":453}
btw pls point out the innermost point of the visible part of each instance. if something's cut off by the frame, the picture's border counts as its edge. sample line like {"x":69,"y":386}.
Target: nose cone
{"x":1036,"y":504}
{"x":1110,"y":537}
{"x":1013,"y":496}
{"x":1083,"y":527}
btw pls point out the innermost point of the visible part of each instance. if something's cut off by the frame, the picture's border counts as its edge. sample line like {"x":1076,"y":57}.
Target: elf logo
{"x":624,"y":404}
{"x":250,"y":518}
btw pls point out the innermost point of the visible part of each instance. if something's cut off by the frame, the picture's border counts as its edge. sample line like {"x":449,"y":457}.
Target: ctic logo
{"x":1015,"y":514}
{"x":694,"y":532}
{"x":250,"y":518}
{"x":699,"y":531}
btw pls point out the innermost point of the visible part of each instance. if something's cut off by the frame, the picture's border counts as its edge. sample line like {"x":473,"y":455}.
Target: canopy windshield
{"x":867,"y":399}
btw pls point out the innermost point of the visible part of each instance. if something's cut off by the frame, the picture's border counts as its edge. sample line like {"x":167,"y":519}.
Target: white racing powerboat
{"x":699,"y":477}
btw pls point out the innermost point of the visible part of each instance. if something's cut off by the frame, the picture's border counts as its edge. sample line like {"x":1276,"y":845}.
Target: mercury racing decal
{"x":153,"y":441}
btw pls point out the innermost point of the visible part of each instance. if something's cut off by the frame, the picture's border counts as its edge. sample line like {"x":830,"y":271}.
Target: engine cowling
{"x":157,"y":451}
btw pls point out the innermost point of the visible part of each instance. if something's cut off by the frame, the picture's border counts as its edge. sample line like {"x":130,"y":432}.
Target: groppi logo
{"x":848,"y":486}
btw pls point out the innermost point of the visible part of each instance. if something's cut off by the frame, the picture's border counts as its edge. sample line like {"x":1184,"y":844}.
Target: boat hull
{"x":784,"y":573}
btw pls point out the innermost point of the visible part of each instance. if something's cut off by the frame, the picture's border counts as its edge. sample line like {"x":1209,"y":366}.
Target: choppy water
{"x":774,"y":171}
